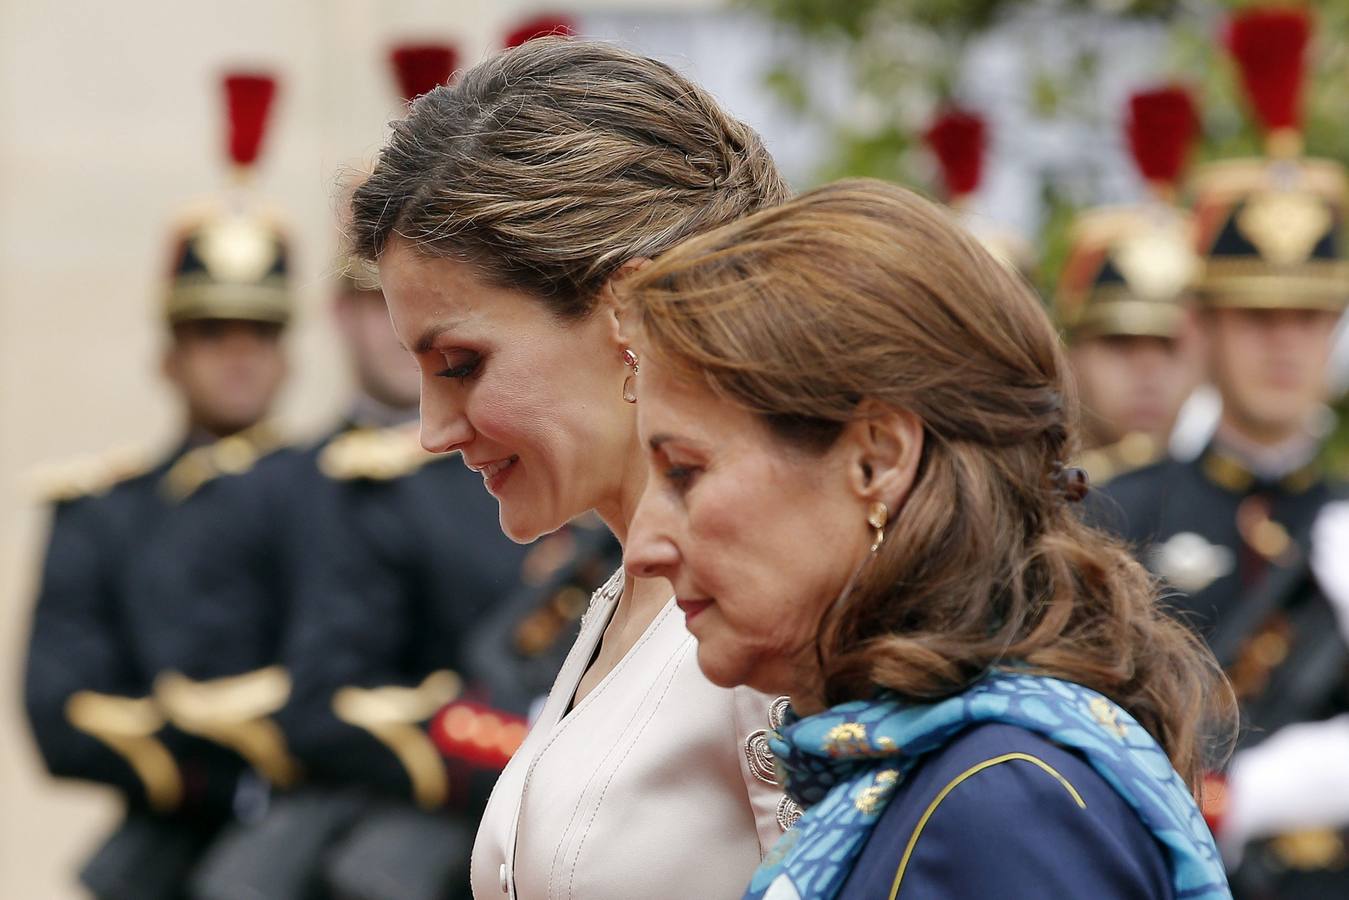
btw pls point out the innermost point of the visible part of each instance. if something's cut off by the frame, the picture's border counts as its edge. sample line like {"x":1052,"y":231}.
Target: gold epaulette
{"x":374,"y":454}
{"x":231,"y":455}
{"x":393,"y":716}
{"x":127,"y":726}
{"x":1134,"y":451}
{"x":235,"y":712}
{"x":87,"y":476}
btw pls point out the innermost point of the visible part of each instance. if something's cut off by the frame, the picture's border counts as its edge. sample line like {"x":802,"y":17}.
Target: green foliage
{"x":903,"y":56}
{"x":1335,"y":453}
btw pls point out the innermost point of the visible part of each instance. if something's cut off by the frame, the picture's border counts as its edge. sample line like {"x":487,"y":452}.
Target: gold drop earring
{"x":630,"y":383}
{"x":877,"y":517}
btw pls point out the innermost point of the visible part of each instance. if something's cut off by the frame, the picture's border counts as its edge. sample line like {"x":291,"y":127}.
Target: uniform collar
{"x":1239,"y":466}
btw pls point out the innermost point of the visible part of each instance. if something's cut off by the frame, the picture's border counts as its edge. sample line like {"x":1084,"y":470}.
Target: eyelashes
{"x":463,"y":371}
{"x":681,"y":477}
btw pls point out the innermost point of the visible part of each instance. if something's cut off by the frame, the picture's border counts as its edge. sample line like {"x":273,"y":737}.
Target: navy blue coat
{"x":1003,"y":812}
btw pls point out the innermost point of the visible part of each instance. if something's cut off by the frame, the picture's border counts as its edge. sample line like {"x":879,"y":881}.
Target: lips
{"x":495,"y":473}
{"x":692,"y":608}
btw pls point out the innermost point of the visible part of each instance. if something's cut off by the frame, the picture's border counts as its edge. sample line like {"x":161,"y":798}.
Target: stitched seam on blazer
{"x":598,"y":691}
{"x":954,"y":783}
{"x":558,"y":727}
{"x":672,"y":667}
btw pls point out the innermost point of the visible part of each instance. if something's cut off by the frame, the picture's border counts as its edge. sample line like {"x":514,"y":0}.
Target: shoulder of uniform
{"x":88,"y":476}
{"x":1131,"y":453}
{"x":233,"y":455}
{"x":374,"y":454}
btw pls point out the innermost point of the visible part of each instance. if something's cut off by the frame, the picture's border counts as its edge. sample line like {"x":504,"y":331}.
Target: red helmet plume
{"x":421,"y":68}
{"x":958,"y":138}
{"x":1161,"y":127}
{"x":539,"y":26}
{"x":248,"y":99}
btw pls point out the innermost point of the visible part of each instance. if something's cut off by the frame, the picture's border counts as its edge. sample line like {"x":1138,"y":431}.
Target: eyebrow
{"x":430,"y":336}
{"x":657,"y":441}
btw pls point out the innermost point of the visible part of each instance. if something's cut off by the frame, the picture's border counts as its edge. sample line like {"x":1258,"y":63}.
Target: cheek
{"x":753,"y":552}
{"x":503,"y":408}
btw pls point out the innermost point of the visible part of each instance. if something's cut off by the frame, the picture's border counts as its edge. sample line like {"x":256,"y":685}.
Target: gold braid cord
{"x":234,"y":712}
{"x":127,"y":726}
{"x":393,"y":716}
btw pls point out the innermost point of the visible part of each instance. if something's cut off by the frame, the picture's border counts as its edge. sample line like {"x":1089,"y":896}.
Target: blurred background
{"x":111,"y":121}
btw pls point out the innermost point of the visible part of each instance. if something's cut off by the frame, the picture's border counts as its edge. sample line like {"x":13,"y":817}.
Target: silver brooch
{"x":788,"y":813}
{"x":777,"y":712}
{"x":764,"y":765}
{"x":760,"y":758}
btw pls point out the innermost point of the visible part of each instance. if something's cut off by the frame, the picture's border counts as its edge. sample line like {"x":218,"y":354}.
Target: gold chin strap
{"x":393,"y":716}
{"x":127,"y":725}
{"x":234,"y":712}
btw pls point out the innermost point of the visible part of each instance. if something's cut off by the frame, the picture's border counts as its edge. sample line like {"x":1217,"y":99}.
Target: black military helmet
{"x":230,"y":257}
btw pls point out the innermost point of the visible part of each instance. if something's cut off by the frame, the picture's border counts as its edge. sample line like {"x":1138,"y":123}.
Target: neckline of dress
{"x":603,"y":605}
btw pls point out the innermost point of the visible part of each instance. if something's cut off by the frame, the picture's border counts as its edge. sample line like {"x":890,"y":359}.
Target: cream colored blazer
{"x":656,"y":785}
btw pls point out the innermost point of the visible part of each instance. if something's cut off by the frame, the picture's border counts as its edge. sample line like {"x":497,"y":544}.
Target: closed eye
{"x":463,"y":370}
{"x":681,"y":477}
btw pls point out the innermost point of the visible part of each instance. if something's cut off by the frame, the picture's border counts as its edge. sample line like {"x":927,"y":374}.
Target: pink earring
{"x":630,"y":383}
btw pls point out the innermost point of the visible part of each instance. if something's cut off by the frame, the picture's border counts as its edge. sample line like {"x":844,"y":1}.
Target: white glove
{"x":1330,"y":558}
{"x":1296,"y":779}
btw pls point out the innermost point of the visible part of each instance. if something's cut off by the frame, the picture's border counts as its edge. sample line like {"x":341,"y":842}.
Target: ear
{"x":615,"y":304}
{"x":883,"y":447}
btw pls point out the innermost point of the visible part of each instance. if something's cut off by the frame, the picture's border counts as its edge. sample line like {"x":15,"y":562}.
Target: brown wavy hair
{"x":864,"y":291}
{"x":550,"y":165}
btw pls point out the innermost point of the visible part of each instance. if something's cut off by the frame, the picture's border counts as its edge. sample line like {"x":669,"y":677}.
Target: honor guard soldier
{"x":1123,"y":296}
{"x":88,"y":688}
{"x":1233,"y":530}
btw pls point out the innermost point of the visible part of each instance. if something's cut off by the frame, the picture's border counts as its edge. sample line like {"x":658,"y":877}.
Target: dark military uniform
{"x":313,"y":618}
{"x":91,"y":689}
{"x":1214,"y":530}
{"x":87,"y":691}
{"x":1235,"y":549}
{"x":207,"y":623}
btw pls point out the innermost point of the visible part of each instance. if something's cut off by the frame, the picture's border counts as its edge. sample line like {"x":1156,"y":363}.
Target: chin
{"x":519,"y":532}
{"x":524,"y":528}
{"x":716,"y":671}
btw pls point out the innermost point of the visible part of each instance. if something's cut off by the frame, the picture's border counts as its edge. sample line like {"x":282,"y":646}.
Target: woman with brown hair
{"x":857,"y":423}
{"x":502,"y":212}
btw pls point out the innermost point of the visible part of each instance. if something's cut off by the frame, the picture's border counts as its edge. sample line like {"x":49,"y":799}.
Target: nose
{"x":650,"y":551}
{"x":445,"y":428}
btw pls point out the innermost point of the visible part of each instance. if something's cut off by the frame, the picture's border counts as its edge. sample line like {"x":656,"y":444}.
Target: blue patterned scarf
{"x":844,"y":764}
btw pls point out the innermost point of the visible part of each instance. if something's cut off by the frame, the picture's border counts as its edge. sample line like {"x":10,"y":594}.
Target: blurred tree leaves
{"x":904,"y":56}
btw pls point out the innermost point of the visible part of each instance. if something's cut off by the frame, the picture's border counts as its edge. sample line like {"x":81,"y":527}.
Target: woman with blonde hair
{"x":857,"y":424}
{"x":502,"y":212}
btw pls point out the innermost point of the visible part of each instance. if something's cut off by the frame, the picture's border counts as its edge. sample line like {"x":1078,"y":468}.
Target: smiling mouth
{"x":494,"y":474}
